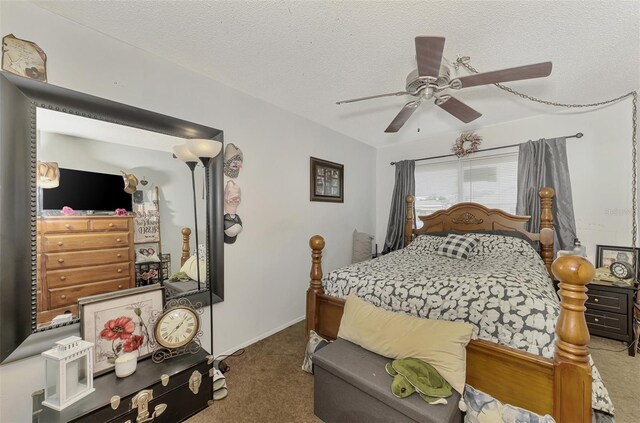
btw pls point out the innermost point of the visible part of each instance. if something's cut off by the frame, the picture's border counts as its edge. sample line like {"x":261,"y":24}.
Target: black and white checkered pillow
{"x":457,"y":246}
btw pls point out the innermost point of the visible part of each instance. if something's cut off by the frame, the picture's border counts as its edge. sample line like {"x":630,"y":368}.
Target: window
{"x":488,"y":180}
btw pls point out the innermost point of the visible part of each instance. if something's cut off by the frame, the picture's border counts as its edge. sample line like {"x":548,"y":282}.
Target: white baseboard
{"x":262,"y":336}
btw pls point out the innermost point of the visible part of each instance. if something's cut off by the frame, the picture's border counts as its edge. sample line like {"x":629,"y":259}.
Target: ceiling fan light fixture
{"x":435,"y":74}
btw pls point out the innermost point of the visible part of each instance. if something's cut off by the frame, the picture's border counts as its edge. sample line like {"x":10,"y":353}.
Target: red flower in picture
{"x":133,"y":343}
{"x":120,"y":328}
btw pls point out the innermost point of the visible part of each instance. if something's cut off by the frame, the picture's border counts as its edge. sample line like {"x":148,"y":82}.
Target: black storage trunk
{"x":178,"y":396}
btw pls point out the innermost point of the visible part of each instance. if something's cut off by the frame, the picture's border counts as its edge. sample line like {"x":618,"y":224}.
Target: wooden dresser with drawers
{"x":80,"y":256}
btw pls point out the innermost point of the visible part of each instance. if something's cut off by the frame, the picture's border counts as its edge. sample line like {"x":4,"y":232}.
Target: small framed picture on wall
{"x":326,"y":181}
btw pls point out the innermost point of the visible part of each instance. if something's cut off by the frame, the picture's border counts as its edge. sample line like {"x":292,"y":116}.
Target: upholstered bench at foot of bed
{"x":351,"y":385}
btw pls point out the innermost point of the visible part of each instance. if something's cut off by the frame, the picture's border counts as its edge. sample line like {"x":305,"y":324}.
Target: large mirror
{"x":94,"y":201}
{"x":115,"y":210}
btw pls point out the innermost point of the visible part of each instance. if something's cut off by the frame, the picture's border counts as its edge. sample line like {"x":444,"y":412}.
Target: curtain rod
{"x":578,"y":135}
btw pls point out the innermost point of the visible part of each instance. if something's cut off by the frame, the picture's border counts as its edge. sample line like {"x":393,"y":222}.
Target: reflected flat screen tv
{"x":82,"y":190}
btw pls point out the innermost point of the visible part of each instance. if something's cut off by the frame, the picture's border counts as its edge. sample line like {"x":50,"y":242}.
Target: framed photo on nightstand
{"x":606,"y":255}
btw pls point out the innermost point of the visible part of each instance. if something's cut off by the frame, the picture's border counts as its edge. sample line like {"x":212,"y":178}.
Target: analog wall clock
{"x":176,"y":327}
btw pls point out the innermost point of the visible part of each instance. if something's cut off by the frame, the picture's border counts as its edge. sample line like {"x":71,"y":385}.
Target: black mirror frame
{"x":19,"y":99}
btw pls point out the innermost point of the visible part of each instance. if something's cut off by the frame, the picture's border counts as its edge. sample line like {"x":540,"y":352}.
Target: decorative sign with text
{"x":147,"y":216}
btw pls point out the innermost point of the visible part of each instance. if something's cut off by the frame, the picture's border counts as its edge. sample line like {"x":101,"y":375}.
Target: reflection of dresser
{"x":80,"y":256}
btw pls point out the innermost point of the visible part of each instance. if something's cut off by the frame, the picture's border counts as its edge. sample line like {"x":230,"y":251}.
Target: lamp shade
{"x":203,"y":148}
{"x":183,"y":153}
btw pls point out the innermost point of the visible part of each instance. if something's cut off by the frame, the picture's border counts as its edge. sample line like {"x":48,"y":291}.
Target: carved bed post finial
{"x":186,"y":250}
{"x":408,"y":225}
{"x":546,"y":221}
{"x":572,"y":373}
{"x":315,"y":285}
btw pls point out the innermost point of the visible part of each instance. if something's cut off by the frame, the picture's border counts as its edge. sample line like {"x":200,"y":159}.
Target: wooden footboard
{"x":560,"y":387}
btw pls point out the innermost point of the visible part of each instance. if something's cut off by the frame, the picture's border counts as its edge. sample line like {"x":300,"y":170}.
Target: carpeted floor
{"x":266,"y":384}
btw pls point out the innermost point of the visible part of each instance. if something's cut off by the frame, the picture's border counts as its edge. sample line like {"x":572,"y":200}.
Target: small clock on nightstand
{"x":621,"y":270}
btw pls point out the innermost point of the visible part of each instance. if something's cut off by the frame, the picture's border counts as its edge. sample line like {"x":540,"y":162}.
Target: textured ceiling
{"x":303,"y":56}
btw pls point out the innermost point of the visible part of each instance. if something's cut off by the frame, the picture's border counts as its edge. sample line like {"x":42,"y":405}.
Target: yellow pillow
{"x":438,"y":342}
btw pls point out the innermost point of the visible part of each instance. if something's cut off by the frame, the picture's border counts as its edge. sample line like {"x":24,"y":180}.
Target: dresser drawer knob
{"x":60,"y":244}
{"x":118,"y":240}
{"x":60,"y":260}
{"x":119,"y":286}
{"x":111,"y":225}
{"x":63,"y":297}
{"x":67,"y":226}
{"x":63,"y":278}
{"x":595,"y":300}
{"x":119,"y":270}
{"x":118,"y":255}
{"x":596,"y":320}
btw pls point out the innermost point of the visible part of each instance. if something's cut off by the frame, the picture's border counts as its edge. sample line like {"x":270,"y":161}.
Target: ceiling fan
{"x":432,"y":78}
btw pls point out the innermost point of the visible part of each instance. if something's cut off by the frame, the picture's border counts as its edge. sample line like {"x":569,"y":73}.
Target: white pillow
{"x":361,"y":246}
{"x":191,"y":269}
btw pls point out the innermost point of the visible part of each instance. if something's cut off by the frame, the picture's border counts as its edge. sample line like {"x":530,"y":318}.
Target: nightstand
{"x":610,"y":312}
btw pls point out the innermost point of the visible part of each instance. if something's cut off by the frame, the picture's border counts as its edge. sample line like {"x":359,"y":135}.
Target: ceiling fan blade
{"x":429,"y":55}
{"x":457,"y":108}
{"x":403,"y":116}
{"x":538,"y":70}
{"x":353,"y":100}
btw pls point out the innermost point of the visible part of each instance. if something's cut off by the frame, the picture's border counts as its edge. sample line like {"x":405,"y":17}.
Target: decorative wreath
{"x":466,"y":144}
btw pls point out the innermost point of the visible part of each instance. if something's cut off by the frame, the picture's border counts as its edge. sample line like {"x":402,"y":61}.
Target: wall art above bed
{"x":326,"y":181}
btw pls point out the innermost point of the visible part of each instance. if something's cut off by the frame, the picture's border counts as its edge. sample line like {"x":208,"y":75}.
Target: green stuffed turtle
{"x":413,"y":375}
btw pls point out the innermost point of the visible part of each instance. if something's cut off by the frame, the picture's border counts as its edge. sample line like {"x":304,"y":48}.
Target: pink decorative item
{"x":232,"y":197}
{"x":68,"y":211}
{"x":121,"y":212}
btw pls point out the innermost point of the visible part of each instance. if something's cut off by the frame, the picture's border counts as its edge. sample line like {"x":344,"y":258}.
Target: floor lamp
{"x":182,"y":153}
{"x":205,"y":150}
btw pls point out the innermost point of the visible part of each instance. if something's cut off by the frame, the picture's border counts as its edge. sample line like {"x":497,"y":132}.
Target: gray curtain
{"x":405,"y":185}
{"x":543,"y":163}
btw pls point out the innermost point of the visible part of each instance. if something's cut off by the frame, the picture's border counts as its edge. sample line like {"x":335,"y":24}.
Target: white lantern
{"x":68,"y":371}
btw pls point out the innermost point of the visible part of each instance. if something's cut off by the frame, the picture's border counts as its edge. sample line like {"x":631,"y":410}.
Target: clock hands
{"x":178,"y":327}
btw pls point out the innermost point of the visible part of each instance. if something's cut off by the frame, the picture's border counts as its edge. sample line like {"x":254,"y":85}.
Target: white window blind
{"x":488,"y":180}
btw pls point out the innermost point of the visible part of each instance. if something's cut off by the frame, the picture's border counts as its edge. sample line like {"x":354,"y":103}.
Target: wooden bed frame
{"x":560,"y":387}
{"x":186,"y":249}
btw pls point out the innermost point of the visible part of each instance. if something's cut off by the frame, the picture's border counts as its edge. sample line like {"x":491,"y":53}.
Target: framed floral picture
{"x":120,"y":322}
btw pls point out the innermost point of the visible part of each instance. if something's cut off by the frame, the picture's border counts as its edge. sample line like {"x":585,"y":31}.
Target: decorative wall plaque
{"x":24,"y":58}
{"x":146,"y":209}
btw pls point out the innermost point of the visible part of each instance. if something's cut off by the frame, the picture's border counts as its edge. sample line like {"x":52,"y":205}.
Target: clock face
{"x":177,"y":327}
{"x":621,"y":270}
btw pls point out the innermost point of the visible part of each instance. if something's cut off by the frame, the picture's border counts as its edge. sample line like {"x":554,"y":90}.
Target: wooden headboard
{"x":469,"y":217}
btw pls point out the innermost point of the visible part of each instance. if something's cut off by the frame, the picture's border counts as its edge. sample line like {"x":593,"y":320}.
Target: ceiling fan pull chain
{"x":464,"y":61}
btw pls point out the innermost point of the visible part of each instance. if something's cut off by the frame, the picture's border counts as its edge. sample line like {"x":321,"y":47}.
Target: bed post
{"x":186,"y":250}
{"x":546,"y":221}
{"x":572,"y":373}
{"x":408,"y":225}
{"x":315,"y":285}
